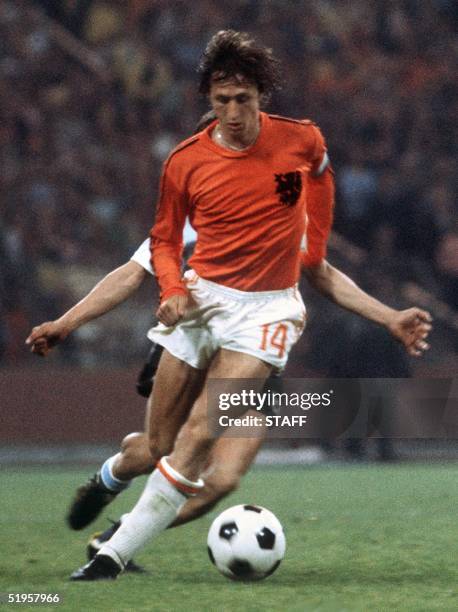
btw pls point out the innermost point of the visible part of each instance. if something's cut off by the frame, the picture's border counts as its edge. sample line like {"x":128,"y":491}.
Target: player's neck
{"x":235,"y":144}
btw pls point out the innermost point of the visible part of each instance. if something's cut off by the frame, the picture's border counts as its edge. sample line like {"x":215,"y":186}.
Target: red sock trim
{"x":186,"y":489}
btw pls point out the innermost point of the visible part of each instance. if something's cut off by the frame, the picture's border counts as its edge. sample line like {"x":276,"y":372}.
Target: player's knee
{"x":132,"y":440}
{"x":136,"y":453}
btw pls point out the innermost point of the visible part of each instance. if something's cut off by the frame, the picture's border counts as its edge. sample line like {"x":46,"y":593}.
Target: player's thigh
{"x":176,"y":387}
{"x":195,"y":439}
{"x":228,"y":373}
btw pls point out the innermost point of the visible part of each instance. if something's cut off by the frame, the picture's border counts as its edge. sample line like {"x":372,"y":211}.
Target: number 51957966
{"x":30,"y":598}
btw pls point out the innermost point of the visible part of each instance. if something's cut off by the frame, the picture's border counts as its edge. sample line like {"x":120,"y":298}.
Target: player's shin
{"x":165,"y":493}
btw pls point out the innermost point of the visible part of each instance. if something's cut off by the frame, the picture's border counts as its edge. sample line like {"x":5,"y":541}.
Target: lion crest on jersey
{"x":289,"y":186}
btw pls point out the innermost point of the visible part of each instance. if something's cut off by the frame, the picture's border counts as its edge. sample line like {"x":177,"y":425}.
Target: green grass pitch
{"x":359,"y":538}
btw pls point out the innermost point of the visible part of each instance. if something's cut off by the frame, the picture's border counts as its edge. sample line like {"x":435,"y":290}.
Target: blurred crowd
{"x":95,"y":93}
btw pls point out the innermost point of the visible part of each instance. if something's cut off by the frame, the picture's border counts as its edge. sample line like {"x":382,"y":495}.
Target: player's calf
{"x":136,"y":457}
{"x":193,"y":444}
{"x":214,"y":491}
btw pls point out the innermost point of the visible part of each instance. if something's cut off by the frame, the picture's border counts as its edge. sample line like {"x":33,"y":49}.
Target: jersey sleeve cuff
{"x":309,"y":260}
{"x":179,"y":290}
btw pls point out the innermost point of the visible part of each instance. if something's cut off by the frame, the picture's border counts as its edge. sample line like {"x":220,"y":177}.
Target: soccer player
{"x":247,"y":183}
{"x":231,"y":457}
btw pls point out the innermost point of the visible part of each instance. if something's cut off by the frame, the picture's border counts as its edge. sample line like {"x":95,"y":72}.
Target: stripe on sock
{"x":108,"y":480}
{"x":188,"y":487}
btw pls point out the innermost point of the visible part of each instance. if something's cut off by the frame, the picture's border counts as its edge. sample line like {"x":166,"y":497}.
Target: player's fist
{"x":411,"y":327}
{"x":44,"y":337}
{"x":172,"y":309}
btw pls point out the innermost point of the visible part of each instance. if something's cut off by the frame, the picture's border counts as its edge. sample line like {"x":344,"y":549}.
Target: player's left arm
{"x":320,"y":196}
{"x":320,"y":212}
{"x":410,"y":327}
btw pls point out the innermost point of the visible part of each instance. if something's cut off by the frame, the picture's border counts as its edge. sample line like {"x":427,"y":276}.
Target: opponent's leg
{"x":133,"y":460}
{"x":175,"y":479}
{"x":139,"y":452}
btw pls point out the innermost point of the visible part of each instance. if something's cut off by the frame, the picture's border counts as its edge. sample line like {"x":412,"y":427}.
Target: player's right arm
{"x":112,"y":290}
{"x":167,"y":243}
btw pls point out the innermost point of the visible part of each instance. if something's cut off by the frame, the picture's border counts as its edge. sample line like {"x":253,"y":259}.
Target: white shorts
{"x":265,"y":324}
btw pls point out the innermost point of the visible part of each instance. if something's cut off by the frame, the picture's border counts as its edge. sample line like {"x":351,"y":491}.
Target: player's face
{"x":236,"y":105}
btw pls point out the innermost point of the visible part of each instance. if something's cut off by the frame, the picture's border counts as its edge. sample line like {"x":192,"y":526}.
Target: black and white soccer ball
{"x":246,"y":542}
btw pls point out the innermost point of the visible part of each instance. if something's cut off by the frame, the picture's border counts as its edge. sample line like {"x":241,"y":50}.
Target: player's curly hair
{"x":235,"y":54}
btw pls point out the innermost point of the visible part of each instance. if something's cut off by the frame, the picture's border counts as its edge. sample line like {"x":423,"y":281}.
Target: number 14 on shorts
{"x":274,"y":335}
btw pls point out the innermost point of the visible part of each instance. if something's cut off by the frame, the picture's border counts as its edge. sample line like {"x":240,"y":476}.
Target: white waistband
{"x":236,"y":294}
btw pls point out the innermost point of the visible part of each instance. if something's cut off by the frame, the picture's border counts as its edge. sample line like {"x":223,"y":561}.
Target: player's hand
{"x":411,"y":327}
{"x":172,"y":309}
{"x":44,"y":337}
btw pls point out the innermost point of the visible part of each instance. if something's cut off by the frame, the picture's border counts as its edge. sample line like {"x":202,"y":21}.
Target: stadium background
{"x":94,"y":94}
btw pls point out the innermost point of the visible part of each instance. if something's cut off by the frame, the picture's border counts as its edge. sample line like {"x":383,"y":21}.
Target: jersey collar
{"x":208,"y":141}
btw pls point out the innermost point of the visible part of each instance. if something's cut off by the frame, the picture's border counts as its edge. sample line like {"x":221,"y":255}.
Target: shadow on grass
{"x":327,"y":577}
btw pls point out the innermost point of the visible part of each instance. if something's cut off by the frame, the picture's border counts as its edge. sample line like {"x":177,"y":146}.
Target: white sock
{"x":157,"y":507}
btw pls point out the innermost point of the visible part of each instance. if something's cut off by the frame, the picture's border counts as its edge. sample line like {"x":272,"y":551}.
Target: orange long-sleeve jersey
{"x":249,"y":208}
